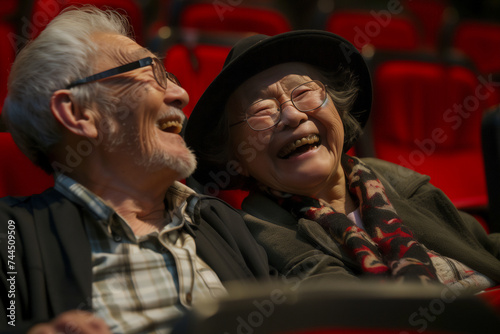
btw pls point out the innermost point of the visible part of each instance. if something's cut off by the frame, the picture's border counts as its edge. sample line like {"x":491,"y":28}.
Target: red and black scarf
{"x":385,"y":247}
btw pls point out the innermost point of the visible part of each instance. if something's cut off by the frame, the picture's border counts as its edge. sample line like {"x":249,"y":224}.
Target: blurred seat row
{"x":434,"y":76}
{"x":343,"y":308}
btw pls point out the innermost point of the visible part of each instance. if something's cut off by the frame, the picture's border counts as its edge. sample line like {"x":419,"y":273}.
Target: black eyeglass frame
{"x":126,"y":68}
{"x":280,"y":110}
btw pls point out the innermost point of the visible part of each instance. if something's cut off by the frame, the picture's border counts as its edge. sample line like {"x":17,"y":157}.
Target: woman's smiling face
{"x":301,"y":154}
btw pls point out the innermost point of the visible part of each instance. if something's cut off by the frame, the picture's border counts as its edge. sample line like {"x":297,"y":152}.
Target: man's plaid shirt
{"x":143,"y":284}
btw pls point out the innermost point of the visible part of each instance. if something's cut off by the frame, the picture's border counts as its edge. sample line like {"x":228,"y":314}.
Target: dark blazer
{"x":53,"y":256}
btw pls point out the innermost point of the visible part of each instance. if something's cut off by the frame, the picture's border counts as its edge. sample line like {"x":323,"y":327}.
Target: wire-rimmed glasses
{"x":266,"y":113}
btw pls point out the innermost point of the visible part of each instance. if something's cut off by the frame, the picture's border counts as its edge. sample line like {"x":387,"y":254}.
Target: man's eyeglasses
{"x":266,"y":113}
{"x":161,"y":76}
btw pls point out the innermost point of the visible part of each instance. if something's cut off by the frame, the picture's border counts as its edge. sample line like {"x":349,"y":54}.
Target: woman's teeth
{"x":288,"y":149}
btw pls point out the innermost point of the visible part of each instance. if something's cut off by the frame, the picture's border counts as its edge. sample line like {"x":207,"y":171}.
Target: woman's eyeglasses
{"x":266,"y":113}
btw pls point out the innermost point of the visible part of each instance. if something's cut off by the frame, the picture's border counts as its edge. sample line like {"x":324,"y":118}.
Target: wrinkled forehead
{"x":117,"y":49}
{"x":275,"y":81}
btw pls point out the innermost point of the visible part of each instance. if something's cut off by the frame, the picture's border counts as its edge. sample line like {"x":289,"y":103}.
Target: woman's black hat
{"x":255,"y":54}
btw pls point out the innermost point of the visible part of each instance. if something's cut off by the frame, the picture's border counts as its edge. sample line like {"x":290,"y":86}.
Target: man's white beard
{"x":129,"y":143}
{"x":158,"y":159}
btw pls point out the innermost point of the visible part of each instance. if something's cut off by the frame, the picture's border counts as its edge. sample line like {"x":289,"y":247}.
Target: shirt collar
{"x":77,"y":193}
{"x":177,"y":198}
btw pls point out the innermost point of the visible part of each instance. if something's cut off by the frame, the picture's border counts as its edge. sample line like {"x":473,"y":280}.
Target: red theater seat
{"x":45,"y":10}
{"x":481,"y":42}
{"x":9,"y":8}
{"x":195,"y":67}
{"x":427,"y":116}
{"x":432,"y":15}
{"x":7,"y":55}
{"x":382,"y":31}
{"x":197,"y":62}
{"x":225,"y":17}
{"x":18,"y":175}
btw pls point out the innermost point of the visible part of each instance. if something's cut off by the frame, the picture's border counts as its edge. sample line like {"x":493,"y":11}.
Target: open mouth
{"x":170,"y":124}
{"x":299,"y":146}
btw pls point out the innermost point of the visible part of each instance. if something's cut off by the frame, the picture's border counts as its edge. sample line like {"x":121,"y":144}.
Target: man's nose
{"x":176,"y":95}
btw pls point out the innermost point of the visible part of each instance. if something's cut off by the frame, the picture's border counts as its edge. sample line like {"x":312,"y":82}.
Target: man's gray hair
{"x":62,"y":53}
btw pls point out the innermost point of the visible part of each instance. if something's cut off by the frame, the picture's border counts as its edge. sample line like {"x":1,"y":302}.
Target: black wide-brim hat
{"x":255,"y":54}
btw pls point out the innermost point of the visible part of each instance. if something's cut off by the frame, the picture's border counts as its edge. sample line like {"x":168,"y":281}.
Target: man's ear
{"x":78,"y":120}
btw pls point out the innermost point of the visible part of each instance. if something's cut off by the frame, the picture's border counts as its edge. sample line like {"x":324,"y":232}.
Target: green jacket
{"x":301,"y":250}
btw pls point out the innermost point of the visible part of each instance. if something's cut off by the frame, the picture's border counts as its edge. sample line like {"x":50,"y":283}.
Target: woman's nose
{"x":176,"y":95}
{"x":291,"y":116}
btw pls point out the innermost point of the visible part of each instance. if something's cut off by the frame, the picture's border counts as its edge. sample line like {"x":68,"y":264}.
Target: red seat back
{"x":427,"y":116}
{"x":195,"y":68}
{"x":222,"y":17}
{"x":383,"y":31}
{"x":9,"y":8}
{"x":197,"y":63}
{"x":45,"y":10}
{"x":481,"y":42}
{"x":7,"y":56}
{"x":18,"y":175}
{"x":432,"y":15}
{"x":418,"y":97}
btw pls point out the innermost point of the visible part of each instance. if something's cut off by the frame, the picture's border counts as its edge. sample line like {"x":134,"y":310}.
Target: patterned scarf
{"x":386,"y":247}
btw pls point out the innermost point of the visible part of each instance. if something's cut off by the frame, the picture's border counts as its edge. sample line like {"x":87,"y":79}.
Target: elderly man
{"x":118,"y":244}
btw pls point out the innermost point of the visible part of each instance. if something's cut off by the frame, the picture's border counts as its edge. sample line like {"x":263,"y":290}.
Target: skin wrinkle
{"x":123,"y":85}
{"x":110,"y":56}
{"x":112,"y":171}
{"x":133,"y":86}
{"x":319,"y":177}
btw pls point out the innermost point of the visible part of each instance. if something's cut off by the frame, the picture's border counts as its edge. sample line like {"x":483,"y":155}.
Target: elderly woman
{"x":277,"y":121}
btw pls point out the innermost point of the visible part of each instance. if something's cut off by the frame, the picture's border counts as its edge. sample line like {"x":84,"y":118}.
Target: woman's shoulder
{"x":386,"y":166}
{"x":405,"y":181}
{"x":262,"y":207}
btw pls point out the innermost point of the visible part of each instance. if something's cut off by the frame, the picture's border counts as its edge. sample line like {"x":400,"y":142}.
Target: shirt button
{"x":189,"y":298}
